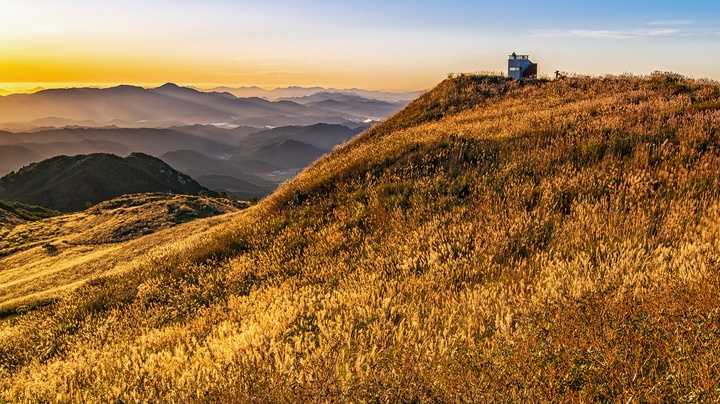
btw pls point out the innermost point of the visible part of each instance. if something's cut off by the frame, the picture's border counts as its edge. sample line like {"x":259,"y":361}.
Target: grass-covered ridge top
{"x":500,"y":107}
{"x":503,"y":241}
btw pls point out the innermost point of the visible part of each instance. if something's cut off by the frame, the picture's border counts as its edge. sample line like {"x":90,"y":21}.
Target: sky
{"x":372,"y":44}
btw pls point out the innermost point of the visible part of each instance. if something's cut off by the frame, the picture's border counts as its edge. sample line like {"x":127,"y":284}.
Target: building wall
{"x":531,"y":71}
{"x":519,"y":69}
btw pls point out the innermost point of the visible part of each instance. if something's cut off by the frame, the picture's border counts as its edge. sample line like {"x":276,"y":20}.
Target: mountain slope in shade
{"x":12,"y":157}
{"x":322,"y":136}
{"x":274,"y":155}
{"x":236,"y":178}
{"x":287,"y":153}
{"x":240,"y":187}
{"x":74,"y":183}
{"x":291,"y":148}
{"x":196,"y":163}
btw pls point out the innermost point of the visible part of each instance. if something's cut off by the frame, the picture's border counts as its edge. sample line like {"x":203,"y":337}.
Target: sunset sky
{"x":373,"y":44}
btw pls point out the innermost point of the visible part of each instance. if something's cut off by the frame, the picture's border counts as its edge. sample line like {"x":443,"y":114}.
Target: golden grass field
{"x":39,"y":260}
{"x":495,"y":241}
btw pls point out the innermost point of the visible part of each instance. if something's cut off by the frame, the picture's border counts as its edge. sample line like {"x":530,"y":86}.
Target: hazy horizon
{"x":371,"y":45}
{"x":29,"y":87}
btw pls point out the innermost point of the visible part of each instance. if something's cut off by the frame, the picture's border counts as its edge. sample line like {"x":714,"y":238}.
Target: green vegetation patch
{"x":27,"y":212}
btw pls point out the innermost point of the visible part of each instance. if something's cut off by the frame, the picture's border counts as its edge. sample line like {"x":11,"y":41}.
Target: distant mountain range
{"x":297,"y":92}
{"x":5,"y":91}
{"x":349,"y":104}
{"x":17,"y":150}
{"x":260,"y":160}
{"x":172,"y":105}
{"x":243,"y":146}
{"x":74,"y":183}
{"x":245,"y":162}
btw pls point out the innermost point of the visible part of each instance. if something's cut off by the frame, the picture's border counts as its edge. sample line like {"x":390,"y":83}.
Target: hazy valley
{"x":205,"y":135}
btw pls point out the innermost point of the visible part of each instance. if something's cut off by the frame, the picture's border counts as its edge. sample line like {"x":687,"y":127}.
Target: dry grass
{"x":42,"y":259}
{"x":549,"y":241}
{"x":14,"y":213}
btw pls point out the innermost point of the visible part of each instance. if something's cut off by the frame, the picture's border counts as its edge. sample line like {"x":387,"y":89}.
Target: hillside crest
{"x":494,"y":241}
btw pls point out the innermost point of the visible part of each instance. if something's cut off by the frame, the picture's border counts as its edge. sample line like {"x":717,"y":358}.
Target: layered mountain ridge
{"x":173,"y":105}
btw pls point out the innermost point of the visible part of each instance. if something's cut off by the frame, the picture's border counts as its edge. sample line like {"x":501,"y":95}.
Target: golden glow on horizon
{"x":47,"y":43}
{"x":254,"y":44}
{"x":20,"y":74}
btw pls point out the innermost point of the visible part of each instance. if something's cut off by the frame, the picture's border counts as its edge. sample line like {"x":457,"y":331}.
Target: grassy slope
{"x":493,"y":241}
{"x":40,"y":260}
{"x":12,"y":213}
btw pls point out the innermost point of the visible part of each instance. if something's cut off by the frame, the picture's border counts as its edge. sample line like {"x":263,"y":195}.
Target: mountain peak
{"x":72,"y":183}
{"x":125,"y":87}
{"x":168,"y":86}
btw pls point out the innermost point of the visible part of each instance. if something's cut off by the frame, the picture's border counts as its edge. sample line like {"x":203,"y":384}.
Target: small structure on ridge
{"x":520,"y":67}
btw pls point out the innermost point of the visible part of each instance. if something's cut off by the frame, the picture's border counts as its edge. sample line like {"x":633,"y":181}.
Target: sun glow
{"x":276,"y":44}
